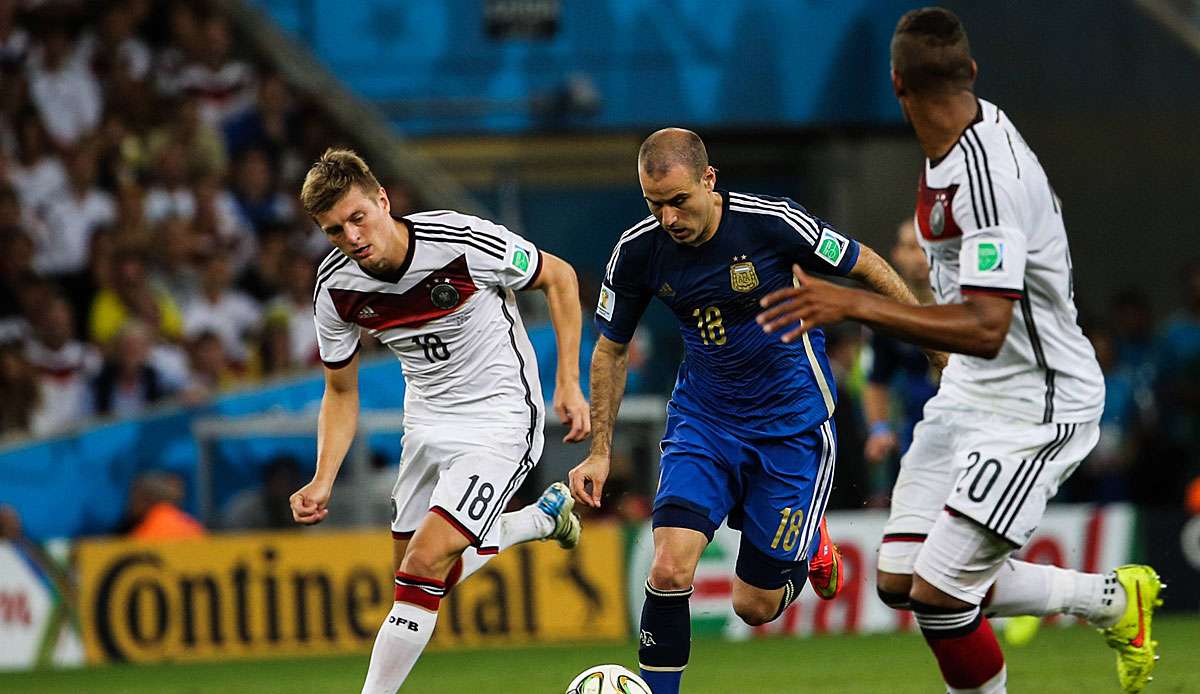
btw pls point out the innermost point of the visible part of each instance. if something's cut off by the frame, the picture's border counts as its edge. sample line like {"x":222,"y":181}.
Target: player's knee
{"x":670,"y":574}
{"x":893,"y":589}
{"x":428,"y":561}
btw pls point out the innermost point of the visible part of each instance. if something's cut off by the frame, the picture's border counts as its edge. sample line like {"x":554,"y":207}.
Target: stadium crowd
{"x":152,"y":249}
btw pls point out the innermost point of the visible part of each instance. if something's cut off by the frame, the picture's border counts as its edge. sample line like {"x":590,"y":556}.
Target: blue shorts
{"x":773,"y":490}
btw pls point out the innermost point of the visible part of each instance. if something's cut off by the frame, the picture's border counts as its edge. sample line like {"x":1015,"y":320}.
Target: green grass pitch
{"x":1069,"y":661}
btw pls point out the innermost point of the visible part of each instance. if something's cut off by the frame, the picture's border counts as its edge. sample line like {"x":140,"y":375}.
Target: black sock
{"x":791,"y":589}
{"x":666,"y":635}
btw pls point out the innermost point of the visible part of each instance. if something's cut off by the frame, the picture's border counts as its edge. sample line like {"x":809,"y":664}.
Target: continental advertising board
{"x":1082,"y":537}
{"x":294,"y":594}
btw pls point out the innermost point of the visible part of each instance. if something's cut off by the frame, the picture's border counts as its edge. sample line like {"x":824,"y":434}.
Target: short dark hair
{"x":931,"y":53}
{"x":671,"y":147}
{"x":331,"y":176}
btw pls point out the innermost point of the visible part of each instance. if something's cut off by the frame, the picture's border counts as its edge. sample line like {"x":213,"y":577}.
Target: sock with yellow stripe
{"x":666,"y":638}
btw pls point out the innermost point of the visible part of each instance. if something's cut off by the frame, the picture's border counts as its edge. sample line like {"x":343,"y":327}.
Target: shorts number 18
{"x":789,"y":528}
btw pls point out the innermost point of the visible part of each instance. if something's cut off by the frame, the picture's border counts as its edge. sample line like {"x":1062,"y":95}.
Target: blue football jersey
{"x":733,"y":373}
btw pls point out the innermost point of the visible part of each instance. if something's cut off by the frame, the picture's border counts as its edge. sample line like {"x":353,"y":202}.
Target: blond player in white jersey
{"x":1020,"y":401}
{"x":437,"y":289}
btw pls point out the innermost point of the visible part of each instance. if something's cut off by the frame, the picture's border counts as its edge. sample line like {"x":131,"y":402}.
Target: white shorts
{"x":998,"y":473}
{"x":465,"y":475}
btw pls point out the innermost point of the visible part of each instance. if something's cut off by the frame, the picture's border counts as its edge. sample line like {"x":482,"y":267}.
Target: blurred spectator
{"x":19,"y":386}
{"x":220,"y":309}
{"x":129,"y":383}
{"x":266,"y":506}
{"x":274,"y":349}
{"x":16,"y":272}
{"x":1103,"y":475}
{"x":38,"y":174}
{"x":254,"y":189}
{"x":219,"y":220}
{"x":65,"y":368}
{"x":269,"y":125}
{"x":899,"y":374}
{"x":132,"y":296}
{"x":201,"y":145}
{"x":263,"y":277}
{"x":851,"y":484}
{"x":72,"y":218}
{"x":113,"y":50}
{"x":208,"y":369}
{"x":1133,"y":333}
{"x":170,"y":194}
{"x":175,"y":264}
{"x":223,"y":84}
{"x":14,"y":40}
{"x":64,"y":91}
{"x":154,"y":511}
{"x":1178,"y":387}
{"x":295,"y":302}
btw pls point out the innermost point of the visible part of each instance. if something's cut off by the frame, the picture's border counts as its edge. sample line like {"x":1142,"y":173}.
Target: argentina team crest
{"x":742,"y":276}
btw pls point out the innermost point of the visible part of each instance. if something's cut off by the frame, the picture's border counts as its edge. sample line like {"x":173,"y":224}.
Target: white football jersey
{"x":990,"y":222}
{"x":450,"y":316}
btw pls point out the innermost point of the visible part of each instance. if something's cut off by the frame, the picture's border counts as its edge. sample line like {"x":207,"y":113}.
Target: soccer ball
{"x":608,"y":679}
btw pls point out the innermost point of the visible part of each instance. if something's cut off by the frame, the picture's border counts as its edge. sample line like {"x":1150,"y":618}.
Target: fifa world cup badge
{"x":742,"y":276}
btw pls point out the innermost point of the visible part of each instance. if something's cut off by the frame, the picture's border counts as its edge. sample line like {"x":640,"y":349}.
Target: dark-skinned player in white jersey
{"x":1019,"y":404}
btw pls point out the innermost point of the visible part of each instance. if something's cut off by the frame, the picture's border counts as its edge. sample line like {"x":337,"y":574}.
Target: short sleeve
{"x":337,"y":340}
{"x":804,"y":237}
{"x":499,"y":257}
{"x":994,"y":245}
{"x":624,"y":293}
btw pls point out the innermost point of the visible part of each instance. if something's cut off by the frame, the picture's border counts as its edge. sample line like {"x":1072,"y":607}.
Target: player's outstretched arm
{"x":335,"y":431}
{"x":557,"y":279}
{"x":977,"y":327}
{"x":609,"y":366}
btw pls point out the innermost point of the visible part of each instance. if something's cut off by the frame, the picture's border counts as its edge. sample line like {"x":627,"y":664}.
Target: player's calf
{"x":766,"y":586}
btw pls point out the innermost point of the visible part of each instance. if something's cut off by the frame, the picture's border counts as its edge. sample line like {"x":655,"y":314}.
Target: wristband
{"x":880,"y":428}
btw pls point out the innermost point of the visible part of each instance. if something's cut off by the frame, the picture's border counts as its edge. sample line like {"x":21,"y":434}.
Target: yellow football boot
{"x":1130,"y":636}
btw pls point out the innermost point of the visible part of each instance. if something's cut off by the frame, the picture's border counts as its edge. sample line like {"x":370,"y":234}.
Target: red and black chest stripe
{"x":441,"y":293}
{"x":935,"y":212}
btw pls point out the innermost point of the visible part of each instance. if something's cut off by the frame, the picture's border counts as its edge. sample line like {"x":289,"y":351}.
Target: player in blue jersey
{"x":749,"y":433}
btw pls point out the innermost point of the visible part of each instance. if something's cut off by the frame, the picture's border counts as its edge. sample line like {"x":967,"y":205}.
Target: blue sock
{"x":666,"y":638}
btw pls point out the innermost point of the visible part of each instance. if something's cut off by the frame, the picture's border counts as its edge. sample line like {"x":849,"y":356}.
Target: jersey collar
{"x":396,"y":275}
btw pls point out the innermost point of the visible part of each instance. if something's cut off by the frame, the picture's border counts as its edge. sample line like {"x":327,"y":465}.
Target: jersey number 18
{"x":712,"y":328}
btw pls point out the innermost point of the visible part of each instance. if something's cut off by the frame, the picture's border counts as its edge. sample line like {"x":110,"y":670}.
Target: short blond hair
{"x":331,"y":176}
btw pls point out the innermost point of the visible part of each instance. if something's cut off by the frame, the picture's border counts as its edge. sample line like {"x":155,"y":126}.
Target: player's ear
{"x":974,"y":70}
{"x":383,"y":201}
{"x":897,"y":84}
{"x":709,"y":179}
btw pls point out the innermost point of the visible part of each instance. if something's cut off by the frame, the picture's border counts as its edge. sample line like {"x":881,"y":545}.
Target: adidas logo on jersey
{"x":666,"y":290}
{"x":367,"y":312}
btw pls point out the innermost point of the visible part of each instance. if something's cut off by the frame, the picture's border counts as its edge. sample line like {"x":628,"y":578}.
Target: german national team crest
{"x":443,"y":295}
{"x":935,"y":212}
{"x":742,"y":276}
